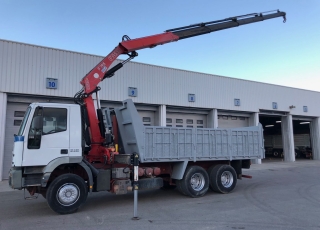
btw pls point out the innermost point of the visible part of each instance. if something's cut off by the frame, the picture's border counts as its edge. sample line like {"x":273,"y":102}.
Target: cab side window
{"x":54,"y":120}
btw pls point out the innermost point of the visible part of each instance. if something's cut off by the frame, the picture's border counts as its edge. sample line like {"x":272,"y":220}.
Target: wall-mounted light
{"x":278,"y":121}
{"x":269,"y":125}
{"x":307,"y":122}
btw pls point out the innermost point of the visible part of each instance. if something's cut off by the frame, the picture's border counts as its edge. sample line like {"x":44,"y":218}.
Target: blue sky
{"x":270,"y":51}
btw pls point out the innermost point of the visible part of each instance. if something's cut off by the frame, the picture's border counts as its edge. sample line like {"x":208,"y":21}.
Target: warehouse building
{"x":163,"y":96}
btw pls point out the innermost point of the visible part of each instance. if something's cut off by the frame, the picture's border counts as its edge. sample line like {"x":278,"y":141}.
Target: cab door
{"x":51,"y":141}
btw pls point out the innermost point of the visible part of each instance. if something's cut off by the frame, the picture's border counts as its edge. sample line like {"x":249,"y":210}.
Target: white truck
{"x":64,"y":151}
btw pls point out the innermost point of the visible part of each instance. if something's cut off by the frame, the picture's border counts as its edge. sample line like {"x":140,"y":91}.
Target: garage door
{"x":186,"y":120}
{"x":226,"y":121}
{"x":147,"y":117}
{"x":14,"y":116}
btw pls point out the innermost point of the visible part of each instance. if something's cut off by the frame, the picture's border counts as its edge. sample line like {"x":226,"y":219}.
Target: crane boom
{"x":127,"y":46}
{"x":91,"y":80}
{"x":208,"y":27}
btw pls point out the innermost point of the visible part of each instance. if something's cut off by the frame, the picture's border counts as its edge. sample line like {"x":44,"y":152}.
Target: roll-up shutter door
{"x":147,"y":117}
{"x":186,"y":120}
{"x":225,"y":121}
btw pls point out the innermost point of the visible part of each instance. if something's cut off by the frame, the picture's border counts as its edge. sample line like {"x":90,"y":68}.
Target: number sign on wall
{"x":52,"y":83}
{"x":132,"y":92}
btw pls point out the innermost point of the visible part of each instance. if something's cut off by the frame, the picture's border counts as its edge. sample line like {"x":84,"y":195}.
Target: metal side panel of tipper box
{"x":131,"y":128}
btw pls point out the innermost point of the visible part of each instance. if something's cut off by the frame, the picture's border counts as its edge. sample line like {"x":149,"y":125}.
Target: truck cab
{"x":49,"y":132}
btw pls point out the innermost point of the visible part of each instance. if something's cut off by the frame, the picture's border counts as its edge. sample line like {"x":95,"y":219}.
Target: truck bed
{"x":170,"y":144}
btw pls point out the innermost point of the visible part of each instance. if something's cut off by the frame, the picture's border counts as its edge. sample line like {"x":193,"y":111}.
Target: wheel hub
{"x":68,"y":194}
{"x":227,"y":179}
{"x":197,"y":181}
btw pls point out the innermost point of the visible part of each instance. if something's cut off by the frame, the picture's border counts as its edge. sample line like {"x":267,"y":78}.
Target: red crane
{"x":93,"y":126}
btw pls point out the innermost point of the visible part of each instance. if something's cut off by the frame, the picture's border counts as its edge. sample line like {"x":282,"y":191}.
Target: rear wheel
{"x":67,"y":193}
{"x":195,"y":182}
{"x":223,"y":178}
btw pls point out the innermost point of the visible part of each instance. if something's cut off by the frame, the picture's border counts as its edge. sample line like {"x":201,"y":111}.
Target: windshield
{"x":24,"y":121}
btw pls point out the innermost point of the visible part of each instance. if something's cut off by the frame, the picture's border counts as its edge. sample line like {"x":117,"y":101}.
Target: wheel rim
{"x":226,"y":179}
{"x":197,"y":181}
{"x":68,"y":194}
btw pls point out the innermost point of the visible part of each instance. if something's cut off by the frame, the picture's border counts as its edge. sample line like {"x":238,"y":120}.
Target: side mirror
{"x":37,"y":123}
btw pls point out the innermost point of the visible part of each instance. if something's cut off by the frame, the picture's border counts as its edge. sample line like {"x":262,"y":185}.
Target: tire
{"x":276,"y":154}
{"x":223,"y":178}
{"x":179,"y":187}
{"x":67,"y":193}
{"x":195,"y":182}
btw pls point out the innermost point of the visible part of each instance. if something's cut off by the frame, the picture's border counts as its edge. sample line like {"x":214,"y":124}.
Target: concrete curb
{"x":4,"y":186}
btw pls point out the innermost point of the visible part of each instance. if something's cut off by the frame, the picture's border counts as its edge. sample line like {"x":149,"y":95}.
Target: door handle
{"x":64,"y":151}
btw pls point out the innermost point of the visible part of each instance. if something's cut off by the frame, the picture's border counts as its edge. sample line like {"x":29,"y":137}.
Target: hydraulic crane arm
{"x":99,"y":73}
{"x":208,"y":27}
{"x":127,"y":46}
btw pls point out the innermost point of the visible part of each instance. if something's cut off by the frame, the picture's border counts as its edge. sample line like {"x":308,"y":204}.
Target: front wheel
{"x":223,"y":178}
{"x":195,"y":182}
{"x":67,"y":193}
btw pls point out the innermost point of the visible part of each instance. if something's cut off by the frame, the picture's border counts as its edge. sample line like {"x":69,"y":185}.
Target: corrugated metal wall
{"x":24,"y":69}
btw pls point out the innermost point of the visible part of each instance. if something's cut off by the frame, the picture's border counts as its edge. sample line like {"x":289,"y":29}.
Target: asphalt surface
{"x":279,"y":196}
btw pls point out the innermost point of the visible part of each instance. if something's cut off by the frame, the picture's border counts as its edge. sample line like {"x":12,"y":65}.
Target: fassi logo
{"x":87,"y":83}
{"x":113,"y":56}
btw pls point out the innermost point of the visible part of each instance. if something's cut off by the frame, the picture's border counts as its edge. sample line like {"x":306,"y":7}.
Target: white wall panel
{"x":287,"y":138}
{"x":24,"y":69}
{"x":315,"y":137}
{"x":10,"y":129}
{"x":3,"y":108}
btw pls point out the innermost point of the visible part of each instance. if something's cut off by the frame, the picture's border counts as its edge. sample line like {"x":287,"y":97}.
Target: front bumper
{"x":15,"y":178}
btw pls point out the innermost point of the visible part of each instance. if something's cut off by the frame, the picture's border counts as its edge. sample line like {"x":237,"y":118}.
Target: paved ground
{"x":279,"y":196}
